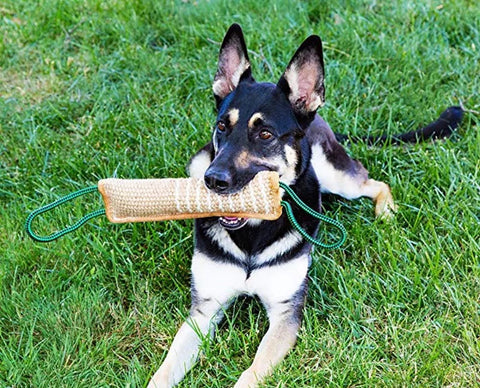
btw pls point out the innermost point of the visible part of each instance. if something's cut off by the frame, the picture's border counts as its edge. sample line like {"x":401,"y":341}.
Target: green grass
{"x":89,"y":89}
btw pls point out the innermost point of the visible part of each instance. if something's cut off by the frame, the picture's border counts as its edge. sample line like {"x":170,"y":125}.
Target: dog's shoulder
{"x":327,"y":152}
{"x":320,"y":133}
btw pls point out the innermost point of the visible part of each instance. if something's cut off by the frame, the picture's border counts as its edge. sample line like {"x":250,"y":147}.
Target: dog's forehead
{"x":254,"y":101}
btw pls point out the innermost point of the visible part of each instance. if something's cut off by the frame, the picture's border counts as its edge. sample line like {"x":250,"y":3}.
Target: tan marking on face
{"x":243,"y":159}
{"x":287,"y":166}
{"x":291,"y":156}
{"x":255,"y":117}
{"x":233,"y":115}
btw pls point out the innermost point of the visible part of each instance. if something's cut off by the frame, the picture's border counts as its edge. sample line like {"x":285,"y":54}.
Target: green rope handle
{"x":68,"y":229}
{"x":313,"y":213}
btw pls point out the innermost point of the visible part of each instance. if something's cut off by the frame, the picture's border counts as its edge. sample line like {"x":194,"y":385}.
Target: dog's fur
{"x":264,"y":126}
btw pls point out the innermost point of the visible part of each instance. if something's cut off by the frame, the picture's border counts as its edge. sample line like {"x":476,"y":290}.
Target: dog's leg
{"x":185,"y":348}
{"x":339,"y":174}
{"x":283,"y":294}
{"x":213,"y":288}
{"x":381,"y":196}
{"x":277,"y":342}
{"x":351,"y":181}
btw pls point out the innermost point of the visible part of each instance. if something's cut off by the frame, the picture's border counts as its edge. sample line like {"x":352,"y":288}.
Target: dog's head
{"x":260,"y":126}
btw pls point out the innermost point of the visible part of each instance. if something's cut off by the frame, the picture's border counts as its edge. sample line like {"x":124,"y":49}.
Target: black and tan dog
{"x":265,"y":126}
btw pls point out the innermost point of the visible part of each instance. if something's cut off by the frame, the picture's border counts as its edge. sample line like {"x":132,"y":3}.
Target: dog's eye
{"x":265,"y":135}
{"x":221,"y":126}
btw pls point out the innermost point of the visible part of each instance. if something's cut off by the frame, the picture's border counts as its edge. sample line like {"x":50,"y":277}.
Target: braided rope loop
{"x":68,"y":229}
{"x":313,"y":213}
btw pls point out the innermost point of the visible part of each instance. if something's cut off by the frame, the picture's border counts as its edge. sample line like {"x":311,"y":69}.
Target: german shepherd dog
{"x":265,"y":126}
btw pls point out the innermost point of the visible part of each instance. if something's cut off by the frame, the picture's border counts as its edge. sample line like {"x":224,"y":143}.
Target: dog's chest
{"x":271,"y":272}
{"x":224,"y":280}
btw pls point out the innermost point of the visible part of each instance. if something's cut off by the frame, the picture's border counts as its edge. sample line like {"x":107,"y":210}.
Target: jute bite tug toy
{"x":144,"y":200}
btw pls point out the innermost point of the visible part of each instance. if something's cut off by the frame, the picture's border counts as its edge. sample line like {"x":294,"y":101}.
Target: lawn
{"x":92,"y":89}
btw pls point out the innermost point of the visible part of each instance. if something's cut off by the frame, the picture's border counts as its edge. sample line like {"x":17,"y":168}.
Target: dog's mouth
{"x":232,"y":223}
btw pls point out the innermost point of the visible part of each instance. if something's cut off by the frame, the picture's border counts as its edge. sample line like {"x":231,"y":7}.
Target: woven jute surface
{"x":142,"y":200}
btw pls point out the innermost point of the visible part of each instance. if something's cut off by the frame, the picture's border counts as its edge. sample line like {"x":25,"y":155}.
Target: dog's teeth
{"x":232,"y":222}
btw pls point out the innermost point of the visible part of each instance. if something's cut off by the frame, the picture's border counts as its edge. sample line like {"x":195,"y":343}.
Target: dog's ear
{"x":303,"y":80}
{"x":233,"y":63}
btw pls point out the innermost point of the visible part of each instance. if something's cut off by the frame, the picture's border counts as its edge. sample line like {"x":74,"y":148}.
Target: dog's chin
{"x":232,"y":223}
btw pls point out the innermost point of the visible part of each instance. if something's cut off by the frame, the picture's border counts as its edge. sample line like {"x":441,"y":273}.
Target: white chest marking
{"x":223,"y":281}
{"x":277,"y":283}
{"x":278,"y":248}
{"x":216,"y":280}
{"x":224,"y":241}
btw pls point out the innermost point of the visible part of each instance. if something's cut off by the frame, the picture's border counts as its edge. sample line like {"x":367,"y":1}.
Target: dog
{"x":265,"y":126}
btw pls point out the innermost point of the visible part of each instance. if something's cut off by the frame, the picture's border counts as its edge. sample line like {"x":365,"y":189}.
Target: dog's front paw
{"x":248,"y":379}
{"x":161,"y":379}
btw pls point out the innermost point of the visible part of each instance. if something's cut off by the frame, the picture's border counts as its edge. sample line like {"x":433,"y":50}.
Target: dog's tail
{"x":441,"y":128}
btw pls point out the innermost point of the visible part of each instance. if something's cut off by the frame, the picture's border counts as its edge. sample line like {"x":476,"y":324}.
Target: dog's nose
{"x":218,"y":181}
